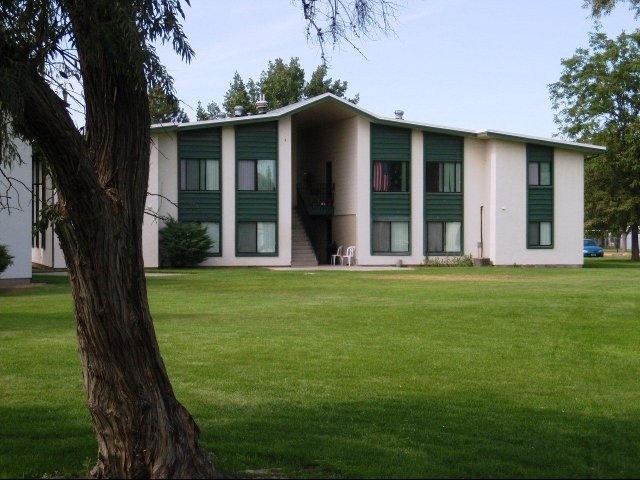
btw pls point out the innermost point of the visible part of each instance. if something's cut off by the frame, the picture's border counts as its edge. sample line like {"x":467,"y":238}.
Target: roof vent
{"x":399,"y":114}
{"x":238,"y":111}
{"x":262,"y":104}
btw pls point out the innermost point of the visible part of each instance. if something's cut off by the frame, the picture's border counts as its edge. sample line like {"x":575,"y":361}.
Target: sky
{"x":469,"y":64}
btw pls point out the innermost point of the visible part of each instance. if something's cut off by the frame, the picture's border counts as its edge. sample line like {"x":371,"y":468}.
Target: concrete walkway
{"x":343,"y":268}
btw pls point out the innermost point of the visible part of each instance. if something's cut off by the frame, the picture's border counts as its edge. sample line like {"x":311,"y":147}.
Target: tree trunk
{"x":635,"y":255}
{"x":141,"y":429}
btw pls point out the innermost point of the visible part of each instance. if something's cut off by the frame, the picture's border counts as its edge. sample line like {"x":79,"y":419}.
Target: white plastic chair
{"x":337,"y":256}
{"x":350,"y":256}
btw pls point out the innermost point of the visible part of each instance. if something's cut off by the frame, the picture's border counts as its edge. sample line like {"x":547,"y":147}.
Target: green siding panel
{"x":540,"y":204}
{"x":443,"y":207}
{"x":257,"y":206}
{"x":393,"y":144}
{"x":540,"y":198}
{"x":199,"y":206}
{"x":257,"y":142}
{"x":390,"y":143}
{"x":443,"y":148}
{"x":391,"y":206}
{"x":199,"y":144}
{"x":539,"y":153}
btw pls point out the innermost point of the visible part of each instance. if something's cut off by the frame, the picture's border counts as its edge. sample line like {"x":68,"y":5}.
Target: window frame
{"x":440,"y":178}
{"x":216,"y":250}
{"x":534,"y":179}
{"x":535,"y":227}
{"x":443,"y":238}
{"x":255,"y":252}
{"x":378,"y":185}
{"x":203,"y":179}
{"x":391,"y":224}
{"x":256,"y":175}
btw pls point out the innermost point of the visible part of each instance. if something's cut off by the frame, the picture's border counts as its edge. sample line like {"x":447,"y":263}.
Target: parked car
{"x":591,"y":249}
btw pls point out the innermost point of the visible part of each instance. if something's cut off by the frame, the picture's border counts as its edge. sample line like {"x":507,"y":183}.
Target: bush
{"x":5,"y":259}
{"x":447,"y":261}
{"x":183,"y":244}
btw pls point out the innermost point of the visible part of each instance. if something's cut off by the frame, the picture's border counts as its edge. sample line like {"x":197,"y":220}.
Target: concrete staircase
{"x":302,"y":254}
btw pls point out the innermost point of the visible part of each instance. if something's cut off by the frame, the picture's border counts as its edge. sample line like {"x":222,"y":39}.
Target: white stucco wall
{"x":49,"y":254}
{"x":15,"y":221}
{"x":228,"y":185}
{"x":508,"y":199}
{"x":163,"y":193}
{"x":362,"y":184}
{"x":477,"y":182}
{"x":416,"y":256}
{"x":568,"y":208}
{"x":285,"y":181}
{"x":336,"y":143}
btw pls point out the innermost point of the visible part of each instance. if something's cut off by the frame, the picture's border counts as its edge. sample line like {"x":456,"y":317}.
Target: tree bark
{"x":101,"y":178}
{"x":635,"y":253}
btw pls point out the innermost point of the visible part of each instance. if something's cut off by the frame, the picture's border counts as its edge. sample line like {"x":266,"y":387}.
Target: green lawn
{"x":428,"y":372}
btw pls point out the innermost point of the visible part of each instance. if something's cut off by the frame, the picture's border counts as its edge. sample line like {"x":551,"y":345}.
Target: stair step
{"x":301,"y":250}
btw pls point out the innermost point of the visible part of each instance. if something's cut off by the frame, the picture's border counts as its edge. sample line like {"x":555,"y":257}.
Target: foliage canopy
{"x":281,"y":84}
{"x":597,"y":100}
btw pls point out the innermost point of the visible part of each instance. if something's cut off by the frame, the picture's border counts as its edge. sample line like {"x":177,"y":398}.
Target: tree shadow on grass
{"x":404,"y":437}
{"x":40,"y":440}
{"x":420,"y":438}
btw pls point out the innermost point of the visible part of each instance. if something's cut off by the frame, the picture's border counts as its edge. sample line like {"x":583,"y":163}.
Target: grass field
{"x":427,"y":372}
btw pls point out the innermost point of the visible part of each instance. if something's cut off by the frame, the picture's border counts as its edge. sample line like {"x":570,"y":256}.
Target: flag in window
{"x":381,"y":177}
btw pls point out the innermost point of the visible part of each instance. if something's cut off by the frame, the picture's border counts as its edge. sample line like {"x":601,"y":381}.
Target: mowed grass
{"x":427,"y":372}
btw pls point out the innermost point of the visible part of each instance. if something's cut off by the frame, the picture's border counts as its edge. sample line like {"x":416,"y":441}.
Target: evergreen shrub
{"x":183,"y":244}
{"x":5,"y":259}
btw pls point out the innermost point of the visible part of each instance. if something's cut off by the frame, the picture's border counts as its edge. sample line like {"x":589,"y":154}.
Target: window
{"x":39,"y":201}
{"x":213,"y":229}
{"x":257,"y":175}
{"x":540,"y":174}
{"x":444,"y":237}
{"x":256,"y":237}
{"x":390,"y":176}
{"x":539,"y":234}
{"x":390,"y":237}
{"x":199,"y":175}
{"x":443,"y":177}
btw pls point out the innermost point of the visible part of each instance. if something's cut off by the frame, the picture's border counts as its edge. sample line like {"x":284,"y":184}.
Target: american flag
{"x":381,"y":177}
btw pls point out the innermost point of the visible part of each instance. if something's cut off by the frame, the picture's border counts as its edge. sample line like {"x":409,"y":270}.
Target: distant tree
{"x":597,"y":100}
{"x":212,"y":111}
{"x":237,"y":96}
{"x":319,"y":84}
{"x":165,"y":107}
{"x":604,"y":7}
{"x":282,"y":84}
{"x":253,"y":91}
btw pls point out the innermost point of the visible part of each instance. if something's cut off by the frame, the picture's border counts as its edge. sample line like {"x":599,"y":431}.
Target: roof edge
{"x":294,"y":108}
{"x":548,"y":142}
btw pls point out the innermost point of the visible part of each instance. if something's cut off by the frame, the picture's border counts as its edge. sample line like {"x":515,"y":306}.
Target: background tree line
{"x":597,"y":100}
{"x":281,"y":84}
